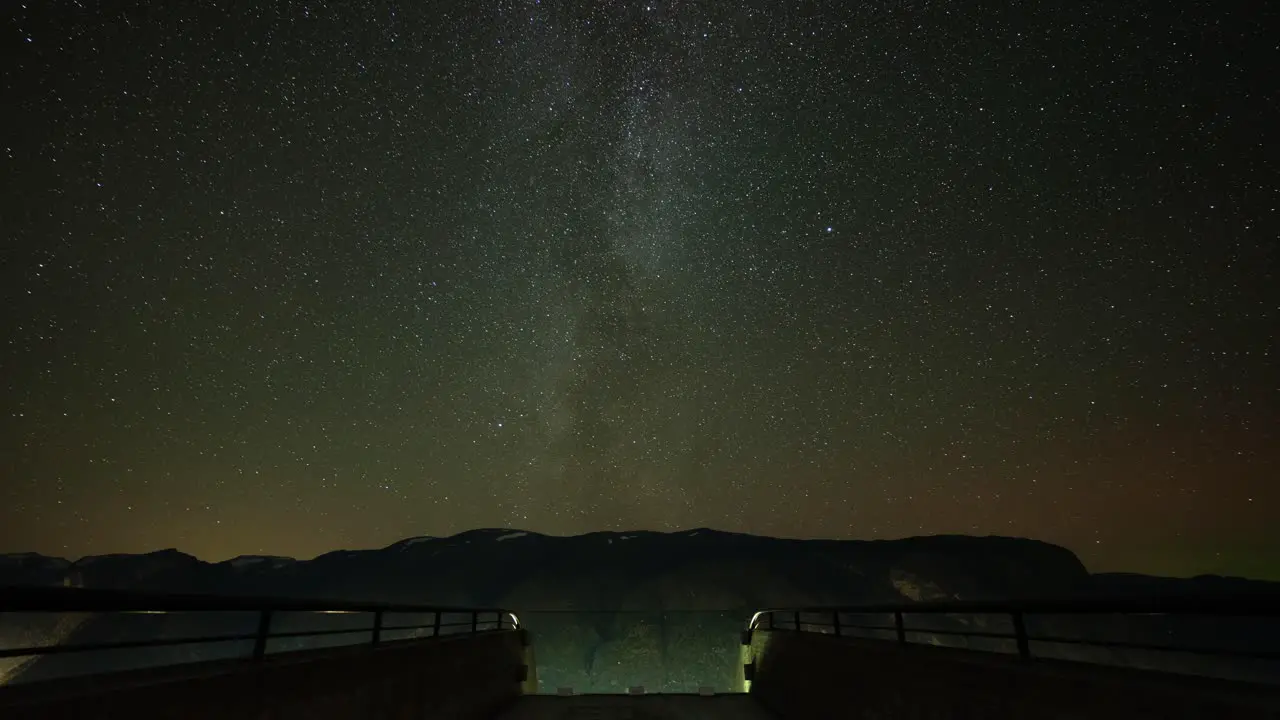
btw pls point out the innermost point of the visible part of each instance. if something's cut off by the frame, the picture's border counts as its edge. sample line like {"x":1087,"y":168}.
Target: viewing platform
{"x":281,"y":659}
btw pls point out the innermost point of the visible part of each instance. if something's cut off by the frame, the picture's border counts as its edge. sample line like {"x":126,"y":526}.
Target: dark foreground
{"x":646,"y":707}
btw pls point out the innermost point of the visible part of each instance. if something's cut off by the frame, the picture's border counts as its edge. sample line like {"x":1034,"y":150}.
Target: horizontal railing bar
{"x":1102,"y":644}
{"x":862,"y":627}
{"x":316,"y":633}
{"x":1255,"y":654}
{"x":972,"y":633}
{"x":464,"y":623}
{"x":168,"y":642}
{"x":1266,"y":604}
{"x":1251,"y":605}
{"x":977,"y":633}
{"x":309,"y":633}
{"x":967,"y":633}
{"x":1106,"y":644}
{"x":124,"y":645}
{"x":735,"y":611}
{"x":843,"y":626}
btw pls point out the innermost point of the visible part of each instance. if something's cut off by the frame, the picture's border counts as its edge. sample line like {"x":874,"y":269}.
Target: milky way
{"x":288,"y":277}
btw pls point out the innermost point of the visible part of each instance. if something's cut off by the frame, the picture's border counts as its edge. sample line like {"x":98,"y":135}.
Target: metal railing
{"x":80,"y":600}
{"x":834,"y":621}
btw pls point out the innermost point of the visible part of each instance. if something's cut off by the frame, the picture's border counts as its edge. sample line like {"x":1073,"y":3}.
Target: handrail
{"x":89,"y":600}
{"x":1255,"y":605}
{"x":1265,"y":603}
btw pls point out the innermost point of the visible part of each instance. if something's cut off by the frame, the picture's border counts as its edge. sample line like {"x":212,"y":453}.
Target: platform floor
{"x":637,"y":707}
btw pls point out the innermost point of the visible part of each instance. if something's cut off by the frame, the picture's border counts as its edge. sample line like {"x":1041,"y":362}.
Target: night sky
{"x":290,"y":277}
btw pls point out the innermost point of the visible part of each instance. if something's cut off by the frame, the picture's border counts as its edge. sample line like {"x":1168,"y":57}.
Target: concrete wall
{"x":807,"y":675}
{"x":452,"y":677}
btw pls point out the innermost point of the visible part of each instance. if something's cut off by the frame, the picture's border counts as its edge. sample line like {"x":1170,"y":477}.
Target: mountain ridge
{"x":515,"y":567}
{"x":610,"y":609}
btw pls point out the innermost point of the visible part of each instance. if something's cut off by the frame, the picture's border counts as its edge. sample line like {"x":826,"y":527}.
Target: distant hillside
{"x":661,"y":610}
{"x":1205,"y":586}
{"x":695,"y":569}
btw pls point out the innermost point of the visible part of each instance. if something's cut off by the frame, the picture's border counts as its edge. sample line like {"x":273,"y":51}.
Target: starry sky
{"x":290,"y":277}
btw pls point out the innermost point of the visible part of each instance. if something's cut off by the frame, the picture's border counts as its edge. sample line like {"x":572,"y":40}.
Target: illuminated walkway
{"x":644,"y":707}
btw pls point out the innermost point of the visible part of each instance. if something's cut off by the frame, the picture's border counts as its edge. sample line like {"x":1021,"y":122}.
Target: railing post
{"x":264,"y":632}
{"x":797,"y":621}
{"x":475,"y":621}
{"x":435,"y":626}
{"x":835,"y":622}
{"x":1020,"y":634}
{"x":899,"y":627}
{"x":377,"y":626}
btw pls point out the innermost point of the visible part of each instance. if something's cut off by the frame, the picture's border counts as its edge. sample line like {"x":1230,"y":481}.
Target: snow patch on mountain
{"x":510,"y":536}
{"x":245,"y":561}
{"x":915,"y":588}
